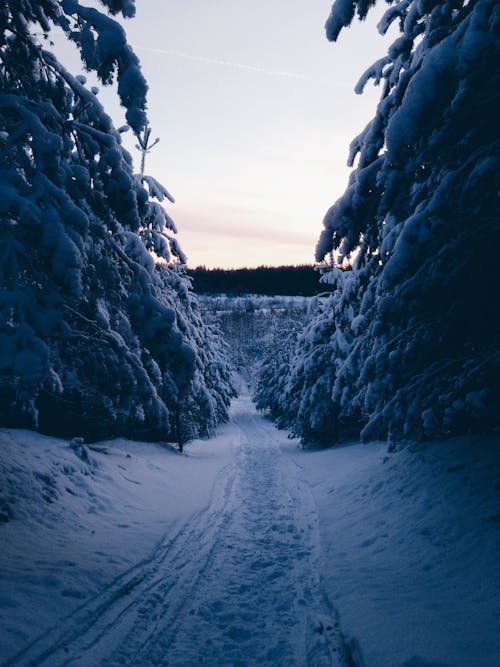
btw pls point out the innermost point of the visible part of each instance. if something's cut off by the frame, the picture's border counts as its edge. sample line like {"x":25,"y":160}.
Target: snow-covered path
{"x":238,"y":584}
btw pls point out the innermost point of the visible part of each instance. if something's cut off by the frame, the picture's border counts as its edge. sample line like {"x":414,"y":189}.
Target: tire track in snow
{"x":237,"y":585}
{"x":98,"y":619}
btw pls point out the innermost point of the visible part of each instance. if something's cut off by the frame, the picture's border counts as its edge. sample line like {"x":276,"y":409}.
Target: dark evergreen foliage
{"x":408,"y":344}
{"x":96,"y":337}
{"x":302,"y":280}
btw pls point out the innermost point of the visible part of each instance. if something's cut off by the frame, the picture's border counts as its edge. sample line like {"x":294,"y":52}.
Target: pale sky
{"x":255,"y":111}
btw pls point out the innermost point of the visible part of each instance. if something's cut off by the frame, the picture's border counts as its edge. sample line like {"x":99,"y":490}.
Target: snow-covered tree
{"x":300,"y":369}
{"x":270,"y":391}
{"x":419,"y":225}
{"x":96,"y":336}
{"x":421,"y":212}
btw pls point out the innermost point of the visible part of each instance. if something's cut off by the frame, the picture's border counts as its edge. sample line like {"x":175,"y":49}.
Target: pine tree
{"x":418,"y":225}
{"x":92,"y":335}
{"x":271,"y":393}
{"x":421,"y":212}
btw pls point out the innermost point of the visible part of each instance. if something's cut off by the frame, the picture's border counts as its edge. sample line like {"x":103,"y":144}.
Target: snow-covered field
{"x":241,"y":552}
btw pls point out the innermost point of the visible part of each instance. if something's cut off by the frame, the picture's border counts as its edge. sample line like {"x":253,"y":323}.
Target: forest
{"x":269,"y":280}
{"x":100,"y":323}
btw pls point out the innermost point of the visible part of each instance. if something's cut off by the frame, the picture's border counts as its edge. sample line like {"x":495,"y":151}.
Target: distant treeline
{"x":300,"y":280}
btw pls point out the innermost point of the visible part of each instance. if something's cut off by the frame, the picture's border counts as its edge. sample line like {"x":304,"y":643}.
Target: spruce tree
{"x":412,"y":330}
{"x":419,"y":222}
{"x":93,"y":306}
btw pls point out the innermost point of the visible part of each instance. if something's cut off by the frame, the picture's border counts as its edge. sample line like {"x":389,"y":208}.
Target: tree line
{"x":292,"y":280}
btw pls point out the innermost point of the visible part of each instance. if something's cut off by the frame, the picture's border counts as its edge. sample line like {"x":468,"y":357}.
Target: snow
{"x":410,"y":548}
{"x":243,"y":550}
{"x":76,"y":527}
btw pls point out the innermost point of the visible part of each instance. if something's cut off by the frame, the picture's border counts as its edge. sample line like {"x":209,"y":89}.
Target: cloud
{"x":241,"y":66}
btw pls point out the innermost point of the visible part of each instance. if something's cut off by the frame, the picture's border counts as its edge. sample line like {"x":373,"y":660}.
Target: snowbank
{"x":69,"y":526}
{"x":411,"y":549}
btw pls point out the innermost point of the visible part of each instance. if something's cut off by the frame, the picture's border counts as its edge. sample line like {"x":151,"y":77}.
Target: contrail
{"x":248,"y":68}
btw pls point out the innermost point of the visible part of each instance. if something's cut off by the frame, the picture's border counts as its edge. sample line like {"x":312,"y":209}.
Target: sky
{"x":255,"y":111}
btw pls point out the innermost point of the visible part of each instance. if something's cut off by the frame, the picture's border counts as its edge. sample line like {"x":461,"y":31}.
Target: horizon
{"x":311,"y":265}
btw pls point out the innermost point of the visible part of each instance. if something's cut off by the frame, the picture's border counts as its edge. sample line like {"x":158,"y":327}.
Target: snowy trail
{"x":237,"y":585}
